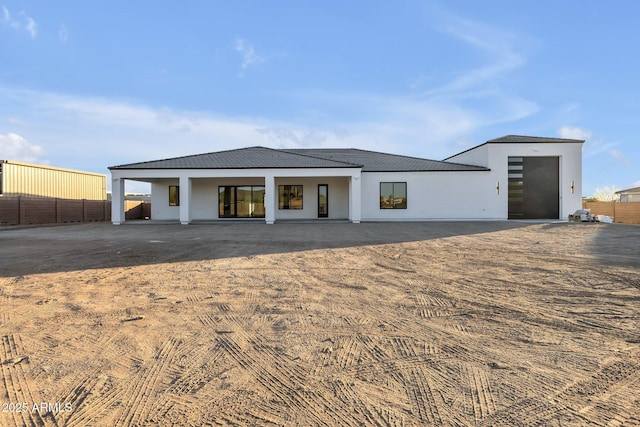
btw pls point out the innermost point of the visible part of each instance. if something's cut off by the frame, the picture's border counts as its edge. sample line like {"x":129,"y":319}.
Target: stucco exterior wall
{"x":338,"y":198}
{"x":204,"y":199}
{"x":479,"y":156}
{"x":160,"y":208}
{"x":434,"y":195}
{"x":570,"y":179}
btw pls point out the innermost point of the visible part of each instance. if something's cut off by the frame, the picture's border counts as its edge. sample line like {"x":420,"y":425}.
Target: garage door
{"x":534,"y":188}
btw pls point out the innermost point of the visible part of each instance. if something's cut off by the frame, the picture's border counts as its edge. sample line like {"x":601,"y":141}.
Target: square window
{"x":393,"y":195}
{"x":290,"y":197}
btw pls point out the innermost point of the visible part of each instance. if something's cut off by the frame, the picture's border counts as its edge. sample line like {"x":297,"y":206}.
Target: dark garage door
{"x":534,"y":188}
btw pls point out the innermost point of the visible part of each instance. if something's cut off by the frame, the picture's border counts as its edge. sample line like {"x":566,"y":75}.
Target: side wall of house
{"x":434,"y":195}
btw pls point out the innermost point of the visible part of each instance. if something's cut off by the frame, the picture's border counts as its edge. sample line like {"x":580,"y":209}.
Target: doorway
{"x":534,"y":187}
{"x":323,"y":200}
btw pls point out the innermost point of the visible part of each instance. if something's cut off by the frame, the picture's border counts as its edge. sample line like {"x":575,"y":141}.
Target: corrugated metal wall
{"x":24,"y":179}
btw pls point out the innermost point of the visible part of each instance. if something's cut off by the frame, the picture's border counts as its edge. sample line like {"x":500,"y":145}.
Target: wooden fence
{"x":135,"y":209}
{"x":41,"y":210}
{"x":622,"y":212}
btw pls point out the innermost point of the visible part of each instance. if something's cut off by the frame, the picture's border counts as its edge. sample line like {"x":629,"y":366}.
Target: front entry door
{"x":323,"y":201}
{"x":534,"y":188}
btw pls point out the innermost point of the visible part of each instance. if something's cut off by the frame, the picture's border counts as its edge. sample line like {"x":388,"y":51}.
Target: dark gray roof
{"x":537,"y":139}
{"x":261,"y":157}
{"x":522,"y":139}
{"x":243,"y":158}
{"x":373,"y":161}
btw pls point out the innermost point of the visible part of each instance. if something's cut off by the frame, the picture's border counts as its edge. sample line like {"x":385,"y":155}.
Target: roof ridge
{"x":318,"y":157}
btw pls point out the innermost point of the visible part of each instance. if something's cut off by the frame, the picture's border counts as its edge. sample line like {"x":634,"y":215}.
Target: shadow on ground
{"x":102,"y":245}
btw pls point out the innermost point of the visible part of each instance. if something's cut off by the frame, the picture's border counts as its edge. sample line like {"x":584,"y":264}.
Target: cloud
{"x":574,"y":133}
{"x":248,"y":53}
{"x":619,"y":156}
{"x":287,"y":138}
{"x":15,"y":147}
{"x":502,"y":49}
{"x":31,"y":27}
{"x":63,"y":34}
{"x":27,"y":23}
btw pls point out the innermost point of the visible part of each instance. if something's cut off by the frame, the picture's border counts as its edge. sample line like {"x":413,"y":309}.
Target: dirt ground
{"x":381,"y":324}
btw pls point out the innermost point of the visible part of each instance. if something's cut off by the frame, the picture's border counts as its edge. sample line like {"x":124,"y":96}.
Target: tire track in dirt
{"x":288,"y":385}
{"x":144,"y":387}
{"x":17,"y":385}
{"x":199,"y":365}
{"x":14,"y":322}
{"x":365,"y":412}
{"x":479,"y":393}
{"x":109,"y":393}
{"x":96,"y":382}
{"x":422,"y":398}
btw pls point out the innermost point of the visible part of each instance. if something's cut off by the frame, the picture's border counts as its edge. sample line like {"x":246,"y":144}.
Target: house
{"x":34,"y":180}
{"x":513,"y":177}
{"x":629,"y":195}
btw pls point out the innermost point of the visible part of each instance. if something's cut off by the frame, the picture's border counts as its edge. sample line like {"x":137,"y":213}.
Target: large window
{"x":290,"y":197}
{"x":246,"y":201}
{"x":174,"y":195}
{"x":393,"y":195}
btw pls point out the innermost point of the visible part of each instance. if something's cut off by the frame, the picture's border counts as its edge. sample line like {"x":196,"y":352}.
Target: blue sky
{"x":87,"y":85}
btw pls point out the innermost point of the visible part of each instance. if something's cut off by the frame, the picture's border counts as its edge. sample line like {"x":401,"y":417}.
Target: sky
{"x":88,"y":85}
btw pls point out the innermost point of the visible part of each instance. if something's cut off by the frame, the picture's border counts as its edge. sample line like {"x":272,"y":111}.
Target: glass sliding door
{"x":323,"y":201}
{"x":246,"y":201}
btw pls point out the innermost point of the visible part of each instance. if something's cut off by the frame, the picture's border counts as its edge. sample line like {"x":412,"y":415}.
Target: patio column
{"x":117,"y":201}
{"x":270,"y":199}
{"x":185,"y":200}
{"x":355,"y":199}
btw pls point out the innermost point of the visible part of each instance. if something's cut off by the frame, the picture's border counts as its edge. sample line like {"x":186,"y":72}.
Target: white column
{"x":117,"y":200}
{"x":270,"y":199}
{"x":355,"y":199}
{"x":185,"y":200}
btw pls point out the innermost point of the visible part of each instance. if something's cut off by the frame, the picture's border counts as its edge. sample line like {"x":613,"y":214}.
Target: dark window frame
{"x":232,"y":205}
{"x":174,"y":199}
{"x":325,"y":213}
{"x":392,"y":197}
{"x":285,"y":203}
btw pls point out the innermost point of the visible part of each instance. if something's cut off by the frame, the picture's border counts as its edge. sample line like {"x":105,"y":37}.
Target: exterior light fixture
{"x":572,"y":190}
{"x":498,"y":187}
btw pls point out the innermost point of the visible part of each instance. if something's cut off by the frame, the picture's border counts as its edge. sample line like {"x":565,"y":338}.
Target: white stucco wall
{"x":160,"y":208}
{"x":338,"y":197}
{"x":478,"y":156}
{"x":434,"y":195}
{"x":570,"y":155}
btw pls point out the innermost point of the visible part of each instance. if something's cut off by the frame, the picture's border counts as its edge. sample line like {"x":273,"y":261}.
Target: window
{"x":241,"y":201}
{"x":174,"y":195}
{"x":393,"y":195}
{"x":290,"y":197}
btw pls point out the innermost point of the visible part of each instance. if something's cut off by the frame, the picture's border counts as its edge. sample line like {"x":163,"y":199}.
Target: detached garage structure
{"x":513,"y":177}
